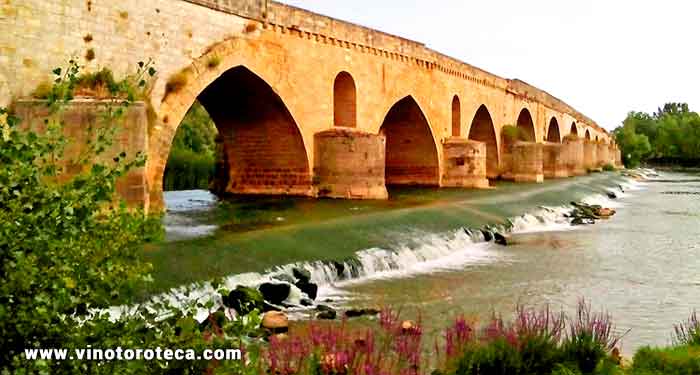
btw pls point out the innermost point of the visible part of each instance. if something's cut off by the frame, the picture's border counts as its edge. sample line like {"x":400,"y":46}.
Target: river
{"x":641,"y":265}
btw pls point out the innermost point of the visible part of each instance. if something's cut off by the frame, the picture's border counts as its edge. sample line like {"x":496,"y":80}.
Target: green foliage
{"x":667,"y":361}
{"x":67,"y":250}
{"x":512,"y":132}
{"x":673,"y":132}
{"x":608,"y":167}
{"x":191,"y":164}
{"x":101,"y":84}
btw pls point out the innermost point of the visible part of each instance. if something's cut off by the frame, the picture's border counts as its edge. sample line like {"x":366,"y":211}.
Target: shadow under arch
{"x":553,"y":134}
{"x":344,"y":100}
{"x":482,"y":129}
{"x":526,"y":126}
{"x":261,"y":146}
{"x":411,"y":152}
{"x":573,"y":130}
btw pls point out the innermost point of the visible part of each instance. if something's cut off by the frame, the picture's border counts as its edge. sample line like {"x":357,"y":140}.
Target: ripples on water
{"x":642,"y":265}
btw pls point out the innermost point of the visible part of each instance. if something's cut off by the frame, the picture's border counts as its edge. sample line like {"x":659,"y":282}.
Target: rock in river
{"x":244,"y":300}
{"x":301,"y":274}
{"x":275,"y":321}
{"x":353,"y":313}
{"x":274,"y":293}
{"x":307,"y":287}
{"x":501,"y":239}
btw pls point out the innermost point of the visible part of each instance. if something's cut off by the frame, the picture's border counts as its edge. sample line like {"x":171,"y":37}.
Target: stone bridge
{"x":305,"y":104}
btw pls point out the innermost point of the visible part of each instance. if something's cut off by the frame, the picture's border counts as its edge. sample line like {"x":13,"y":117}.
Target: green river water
{"x":641,"y":265}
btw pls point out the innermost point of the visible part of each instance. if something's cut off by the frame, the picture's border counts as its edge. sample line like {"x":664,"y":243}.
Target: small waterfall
{"x":420,"y":253}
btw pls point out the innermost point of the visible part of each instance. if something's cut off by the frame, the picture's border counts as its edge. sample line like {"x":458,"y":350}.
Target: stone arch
{"x":456,"y":117}
{"x":482,"y":129}
{"x":526,"y":126}
{"x":411,"y":151}
{"x":588,"y":135}
{"x":344,"y":101}
{"x":574,"y":129}
{"x":261,"y":144}
{"x":553,"y":131}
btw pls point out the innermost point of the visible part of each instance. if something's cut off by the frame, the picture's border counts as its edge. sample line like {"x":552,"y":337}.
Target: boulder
{"x":354,"y":313}
{"x":275,"y":321}
{"x":407,"y":325}
{"x":275,"y":293}
{"x":605,"y":212}
{"x":612,"y":195}
{"x":307,"y":287}
{"x":301,"y":274}
{"x":324,"y":308}
{"x":339,"y":269}
{"x":501,"y":239}
{"x":487,"y":235}
{"x":306,"y":302}
{"x":326,"y":315}
{"x":244,"y":300}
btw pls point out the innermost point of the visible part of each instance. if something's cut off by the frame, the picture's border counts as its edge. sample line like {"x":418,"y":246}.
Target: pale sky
{"x":603,"y":57}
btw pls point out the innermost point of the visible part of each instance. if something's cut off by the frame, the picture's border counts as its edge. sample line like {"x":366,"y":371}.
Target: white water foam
{"x":427,"y":253}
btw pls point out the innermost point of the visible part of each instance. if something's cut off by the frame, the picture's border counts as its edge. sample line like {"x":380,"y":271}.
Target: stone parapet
{"x":464,"y":163}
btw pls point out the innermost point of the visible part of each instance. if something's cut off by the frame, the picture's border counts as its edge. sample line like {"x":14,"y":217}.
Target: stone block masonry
{"x":302,"y":74}
{"x":464,"y":163}
{"x":528,"y":162}
{"x":130,"y":137}
{"x":349,"y":164}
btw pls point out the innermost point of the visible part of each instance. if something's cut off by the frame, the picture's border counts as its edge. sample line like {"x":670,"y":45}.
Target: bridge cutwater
{"x":305,"y":104}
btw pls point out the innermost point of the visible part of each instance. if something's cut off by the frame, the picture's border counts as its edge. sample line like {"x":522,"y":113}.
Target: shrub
{"x":177,"y":82}
{"x":590,"y":338}
{"x":688,"y":333}
{"x":213,"y":62}
{"x":608,"y":167}
{"x":511,"y":132}
{"x":393,"y":348}
{"x":670,"y":361}
{"x":188,"y":170}
{"x":101,"y":84}
{"x":68,"y":252}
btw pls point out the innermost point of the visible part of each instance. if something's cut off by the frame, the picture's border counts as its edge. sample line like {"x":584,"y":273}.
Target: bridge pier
{"x":527,"y":162}
{"x":574,"y":152}
{"x":554,"y":160}
{"x":590,"y":155}
{"x":603,"y":156}
{"x":78,"y":117}
{"x":349,"y":164}
{"x":464,"y":163}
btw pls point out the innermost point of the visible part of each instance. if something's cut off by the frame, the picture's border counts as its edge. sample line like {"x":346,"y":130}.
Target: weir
{"x":259,"y":240}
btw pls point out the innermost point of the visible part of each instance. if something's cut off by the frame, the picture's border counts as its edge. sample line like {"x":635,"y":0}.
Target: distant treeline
{"x":192,"y":159}
{"x":670,"y":135}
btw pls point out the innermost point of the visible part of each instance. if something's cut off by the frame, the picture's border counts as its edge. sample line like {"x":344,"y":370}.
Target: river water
{"x":642,"y":265}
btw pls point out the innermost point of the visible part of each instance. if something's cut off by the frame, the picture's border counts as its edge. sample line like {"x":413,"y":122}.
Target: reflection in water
{"x":186,"y":212}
